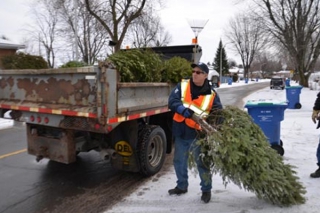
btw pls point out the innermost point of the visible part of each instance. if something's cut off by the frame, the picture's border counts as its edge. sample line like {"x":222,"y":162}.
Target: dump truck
{"x":72,"y":110}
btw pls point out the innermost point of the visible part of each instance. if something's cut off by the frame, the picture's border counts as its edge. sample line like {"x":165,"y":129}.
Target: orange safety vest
{"x":201,"y":106}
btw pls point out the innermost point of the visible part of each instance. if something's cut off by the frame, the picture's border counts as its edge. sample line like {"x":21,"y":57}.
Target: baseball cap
{"x":202,"y":66}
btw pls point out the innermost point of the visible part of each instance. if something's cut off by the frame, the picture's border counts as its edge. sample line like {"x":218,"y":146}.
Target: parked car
{"x":277,"y":82}
{"x":213,"y":77}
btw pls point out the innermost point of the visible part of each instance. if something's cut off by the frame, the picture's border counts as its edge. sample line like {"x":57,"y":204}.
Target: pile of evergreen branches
{"x":240,"y":152}
{"x":144,"y":65}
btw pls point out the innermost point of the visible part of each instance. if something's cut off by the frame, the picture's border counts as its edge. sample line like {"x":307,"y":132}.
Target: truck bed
{"x":93,"y":92}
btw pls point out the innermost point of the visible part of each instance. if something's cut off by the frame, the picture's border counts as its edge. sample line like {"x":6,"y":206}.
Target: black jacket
{"x":317,"y":103}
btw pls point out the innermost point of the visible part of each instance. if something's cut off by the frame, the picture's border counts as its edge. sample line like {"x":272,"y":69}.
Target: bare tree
{"x":45,"y":31}
{"x":83,"y":30}
{"x":163,"y":38}
{"x":116,"y":16}
{"x":295,"y":24}
{"x":144,"y":31}
{"x":266,"y":63}
{"x":147,"y":30}
{"x":248,"y":37}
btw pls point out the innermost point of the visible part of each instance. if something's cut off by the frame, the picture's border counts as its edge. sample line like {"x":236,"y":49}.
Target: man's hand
{"x":185,"y":112}
{"x":314,"y":116}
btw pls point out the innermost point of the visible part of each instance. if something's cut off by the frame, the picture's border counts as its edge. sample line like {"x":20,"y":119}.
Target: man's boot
{"x":316,"y":174}
{"x":206,"y":197}
{"x":177,"y":191}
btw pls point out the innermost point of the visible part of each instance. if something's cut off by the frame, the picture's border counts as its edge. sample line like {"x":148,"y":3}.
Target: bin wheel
{"x":278,"y":148}
{"x":281,"y":143}
{"x":297,"y":106}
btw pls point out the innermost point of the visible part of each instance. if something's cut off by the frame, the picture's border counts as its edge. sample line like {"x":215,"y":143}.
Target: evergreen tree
{"x":221,"y":54}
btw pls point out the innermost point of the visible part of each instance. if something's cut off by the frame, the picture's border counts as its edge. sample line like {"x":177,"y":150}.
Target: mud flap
{"x":60,"y":149}
{"x":123,"y":139}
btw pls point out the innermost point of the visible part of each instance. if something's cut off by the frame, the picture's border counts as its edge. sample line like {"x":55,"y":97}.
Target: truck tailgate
{"x":71,"y":91}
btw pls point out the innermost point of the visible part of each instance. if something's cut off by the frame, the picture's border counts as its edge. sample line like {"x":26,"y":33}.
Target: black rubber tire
{"x":152,"y":147}
{"x":278,"y":148}
{"x":297,"y":106}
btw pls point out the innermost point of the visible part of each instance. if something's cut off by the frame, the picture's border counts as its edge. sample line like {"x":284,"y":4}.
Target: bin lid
{"x":266,"y":102}
{"x":294,"y":87}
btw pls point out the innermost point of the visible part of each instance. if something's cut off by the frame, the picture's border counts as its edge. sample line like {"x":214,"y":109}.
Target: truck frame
{"x":73,"y":110}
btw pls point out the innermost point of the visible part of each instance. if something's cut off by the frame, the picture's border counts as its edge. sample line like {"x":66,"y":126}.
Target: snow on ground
{"x":6,"y":122}
{"x":300,"y":140}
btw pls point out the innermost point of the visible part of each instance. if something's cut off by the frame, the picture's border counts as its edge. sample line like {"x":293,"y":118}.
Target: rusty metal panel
{"x":57,"y":89}
{"x":109,"y":92}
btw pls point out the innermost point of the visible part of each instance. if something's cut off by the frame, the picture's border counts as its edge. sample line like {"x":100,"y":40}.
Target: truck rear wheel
{"x":152,"y":147}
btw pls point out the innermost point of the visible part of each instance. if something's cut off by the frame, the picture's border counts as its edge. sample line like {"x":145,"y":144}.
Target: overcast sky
{"x":14,"y":17}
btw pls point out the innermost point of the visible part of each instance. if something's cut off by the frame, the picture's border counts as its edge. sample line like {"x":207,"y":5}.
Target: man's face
{"x":198,"y":76}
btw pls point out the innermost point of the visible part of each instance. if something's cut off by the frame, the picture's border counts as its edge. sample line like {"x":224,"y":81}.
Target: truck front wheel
{"x":152,"y":147}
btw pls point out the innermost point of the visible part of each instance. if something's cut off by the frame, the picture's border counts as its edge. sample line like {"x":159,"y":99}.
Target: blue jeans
{"x":182,"y":147}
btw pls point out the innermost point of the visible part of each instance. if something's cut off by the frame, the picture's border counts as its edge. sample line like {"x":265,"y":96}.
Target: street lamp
{"x":196,"y":26}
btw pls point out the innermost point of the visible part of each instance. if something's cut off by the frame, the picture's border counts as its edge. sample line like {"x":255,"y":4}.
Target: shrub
{"x":23,"y":61}
{"x":176,"y":68}
{"x":73,"y":64}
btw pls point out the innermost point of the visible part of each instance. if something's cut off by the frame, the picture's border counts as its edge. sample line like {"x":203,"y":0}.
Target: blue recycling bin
{"x":268,"y":114}
{"x":246,"y":80}
{"x":293,"y":96}
{"x":229,"y":81}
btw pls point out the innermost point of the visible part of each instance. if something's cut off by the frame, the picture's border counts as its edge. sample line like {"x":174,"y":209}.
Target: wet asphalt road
{"x":89,"y":185}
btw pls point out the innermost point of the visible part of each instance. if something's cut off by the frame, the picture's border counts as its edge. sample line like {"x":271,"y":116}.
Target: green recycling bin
{"x":268,"y":114}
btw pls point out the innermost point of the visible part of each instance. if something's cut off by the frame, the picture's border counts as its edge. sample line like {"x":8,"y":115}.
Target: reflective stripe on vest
{"x":201,"y":106}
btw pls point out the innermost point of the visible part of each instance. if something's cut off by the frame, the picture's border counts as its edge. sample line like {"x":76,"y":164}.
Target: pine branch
{"x":241,"y":153}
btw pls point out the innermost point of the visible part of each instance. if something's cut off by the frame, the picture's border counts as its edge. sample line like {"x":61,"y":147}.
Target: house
{"x":8,"y":48}
{"x":283,"y":73}
{"x":236,"y":70}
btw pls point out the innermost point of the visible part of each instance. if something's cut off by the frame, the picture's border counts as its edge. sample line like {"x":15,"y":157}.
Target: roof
{"x":5,"y":44}
{"x":213,"y":72}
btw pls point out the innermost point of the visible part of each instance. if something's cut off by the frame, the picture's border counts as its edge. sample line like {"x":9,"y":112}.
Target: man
{"x":191,"y":96}
{"x":315,"y":117}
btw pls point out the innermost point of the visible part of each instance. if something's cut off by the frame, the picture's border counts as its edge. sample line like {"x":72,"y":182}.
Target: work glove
{"x":315,"y":115}
{"x":185,"y":112}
